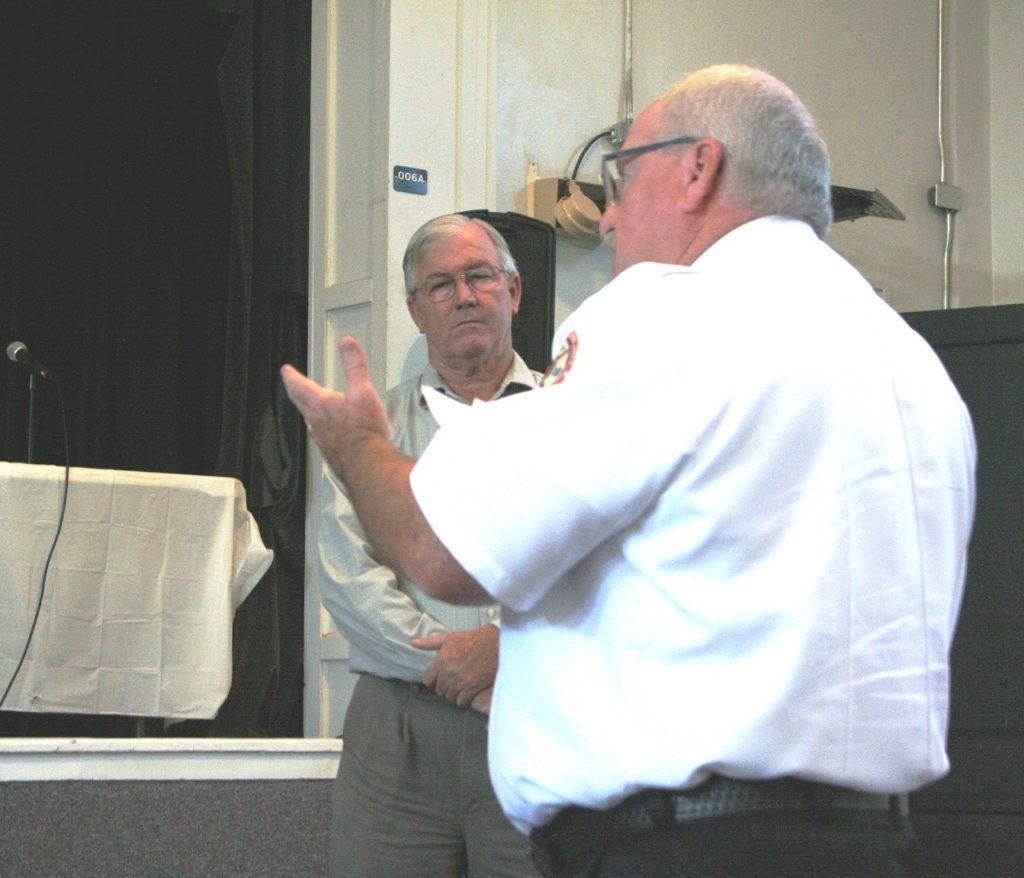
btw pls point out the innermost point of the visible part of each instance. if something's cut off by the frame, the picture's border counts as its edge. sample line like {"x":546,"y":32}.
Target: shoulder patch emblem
{"x":561,"y":365}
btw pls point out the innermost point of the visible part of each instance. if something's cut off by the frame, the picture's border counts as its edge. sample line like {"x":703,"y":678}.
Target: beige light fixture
{"x":576,"y":214}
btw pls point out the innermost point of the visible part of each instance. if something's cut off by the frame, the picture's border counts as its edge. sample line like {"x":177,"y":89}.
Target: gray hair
{"x":776,"y":161}
{"x":445,"y":227}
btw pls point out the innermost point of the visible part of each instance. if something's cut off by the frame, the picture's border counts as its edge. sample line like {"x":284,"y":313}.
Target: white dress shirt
{"x":739,"y":544}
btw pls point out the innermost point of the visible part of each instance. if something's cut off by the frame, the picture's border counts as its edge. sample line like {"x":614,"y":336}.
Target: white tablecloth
{"x":140,"y":595}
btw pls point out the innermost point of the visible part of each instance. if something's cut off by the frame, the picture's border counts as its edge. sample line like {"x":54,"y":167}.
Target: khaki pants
{"x":413,"y":798}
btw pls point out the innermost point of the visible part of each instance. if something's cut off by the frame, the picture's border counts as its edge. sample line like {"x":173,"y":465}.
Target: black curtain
{"x":115,"y":221}
{"x":153,"y":226}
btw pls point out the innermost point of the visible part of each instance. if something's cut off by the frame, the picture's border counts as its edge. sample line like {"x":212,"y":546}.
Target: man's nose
{"x":464,"y":293}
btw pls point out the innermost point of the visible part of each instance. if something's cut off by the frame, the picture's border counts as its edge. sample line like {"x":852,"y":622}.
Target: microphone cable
{"x":53,"y":545}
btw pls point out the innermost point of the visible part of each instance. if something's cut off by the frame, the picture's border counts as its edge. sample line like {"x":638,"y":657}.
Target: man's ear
{"x":515,"y":291}
{"x":704,"y":165}
{"x":412,"y":303}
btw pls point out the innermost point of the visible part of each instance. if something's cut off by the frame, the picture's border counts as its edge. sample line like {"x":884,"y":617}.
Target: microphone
{"x":17,"y":352}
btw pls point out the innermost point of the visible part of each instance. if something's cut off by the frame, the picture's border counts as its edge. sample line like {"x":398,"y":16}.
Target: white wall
{"x":969,"y":154}
{"x":558,"y":76}
{"x":421,"y":135}
{"x":481,"y":88}
{"x":868,"y":71}
{"x":1006,"y":36}
{"x":441,"y":119}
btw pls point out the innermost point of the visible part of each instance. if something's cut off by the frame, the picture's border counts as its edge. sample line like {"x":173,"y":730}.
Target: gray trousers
{"x":413,"y":798}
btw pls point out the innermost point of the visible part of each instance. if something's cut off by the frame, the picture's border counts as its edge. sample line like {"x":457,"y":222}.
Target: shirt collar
{"x":761,"y":235}
{"x":519,"y":377}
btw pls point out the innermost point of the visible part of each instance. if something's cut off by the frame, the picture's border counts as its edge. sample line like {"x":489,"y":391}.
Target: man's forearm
{"x":377,"y":477}
{"x":353,"y":432}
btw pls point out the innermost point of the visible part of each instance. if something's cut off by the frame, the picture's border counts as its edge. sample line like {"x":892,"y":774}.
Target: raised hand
{"x":338,"y":421}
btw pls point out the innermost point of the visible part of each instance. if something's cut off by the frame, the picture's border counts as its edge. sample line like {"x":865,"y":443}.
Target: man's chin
{"x":468,"y":345}
{"x":472,"y":334}
{"x":620,"y":264}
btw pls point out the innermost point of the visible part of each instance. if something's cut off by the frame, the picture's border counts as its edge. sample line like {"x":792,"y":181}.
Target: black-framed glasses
{"x":611,"y":170}
{"x":480,"y":279}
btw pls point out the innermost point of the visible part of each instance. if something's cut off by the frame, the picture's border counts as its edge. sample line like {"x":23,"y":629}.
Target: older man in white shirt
{"x":732,"y":570}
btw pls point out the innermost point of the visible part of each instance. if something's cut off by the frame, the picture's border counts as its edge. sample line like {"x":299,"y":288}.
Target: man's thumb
{"x":353,"y":361}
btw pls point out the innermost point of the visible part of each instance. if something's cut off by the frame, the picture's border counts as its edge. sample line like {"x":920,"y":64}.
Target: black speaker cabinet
{"x":532,"y":243}
{"x":972,"y":822}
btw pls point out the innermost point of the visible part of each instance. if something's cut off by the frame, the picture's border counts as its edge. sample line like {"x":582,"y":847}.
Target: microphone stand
{"x":31,"y":412}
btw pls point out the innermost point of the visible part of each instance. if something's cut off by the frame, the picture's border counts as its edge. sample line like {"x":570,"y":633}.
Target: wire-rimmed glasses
{"x":480,"y":279}
{"x":612,"y":167}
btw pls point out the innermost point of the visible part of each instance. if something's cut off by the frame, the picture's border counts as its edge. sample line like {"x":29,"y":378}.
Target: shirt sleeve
{"x":536,"y":483}
{"x":363,"y":596}
{"x":517,"y":528}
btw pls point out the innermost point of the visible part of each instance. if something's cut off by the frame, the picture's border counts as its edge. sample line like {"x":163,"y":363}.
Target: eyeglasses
{"x":612,"y":164}
{"x":480,"y":279}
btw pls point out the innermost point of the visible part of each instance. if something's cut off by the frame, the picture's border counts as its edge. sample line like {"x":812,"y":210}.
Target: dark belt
{"x":576,"y":828}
